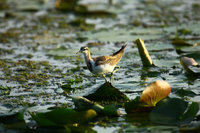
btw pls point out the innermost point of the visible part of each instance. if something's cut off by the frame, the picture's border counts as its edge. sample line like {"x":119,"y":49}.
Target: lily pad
{"x":111,"y":110}
{"x":135,"y":106}
{"x":118,"y":35}
{"x":181,"y":42}
{"x":152,"y":94}
{"x":107,"y":93}
{"x":12,"y":118}
{"x":14,"y":121}
{"x":62,"y":52}
{"x":63,"y":116}
{"x":83,"y":104}
{"x":173,"y":111}
{"x":183,"y":93}
{"x":194,"y":49}
{"x":66,"y":5}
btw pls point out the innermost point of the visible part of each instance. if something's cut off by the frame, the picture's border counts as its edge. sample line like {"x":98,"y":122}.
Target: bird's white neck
{"x":87,"y":56}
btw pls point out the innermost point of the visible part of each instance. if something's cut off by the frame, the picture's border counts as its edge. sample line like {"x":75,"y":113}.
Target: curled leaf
{"x":155,"y":92}
{"x":188,"y":61}
{"x":144,"y":54}
{"x":190,"y":65}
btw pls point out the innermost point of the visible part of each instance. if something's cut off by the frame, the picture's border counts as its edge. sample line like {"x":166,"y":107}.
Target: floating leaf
{"x":155,"y":92}
{"x":135,"y":106}
{"x":190,"y":65}
{"x":66,"y":5}
{"x":86,"y":9}
{"x":67,"y":88}
{"x":12,"y":118}
{"x":190,"y":114}
{"x":144,"y":54}
{"x":14,"y":121}
{"x":111,"y":110}
{"x":173,"y":111}
{"x":140,"y":118}
{"x":184,"y":31}
{"x":181,"y":42}
{"x":107,"y":93}
{"x":82,"y":104}
{"x":62,"y":117}
{"x":182,"y":93}
{"x":152,"y":94}
{"x":71,"y":84}
{"x":192,"y":128}
{"x":119,"y":35}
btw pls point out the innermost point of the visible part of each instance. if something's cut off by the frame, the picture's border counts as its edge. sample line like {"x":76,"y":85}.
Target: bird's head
{"x":84,"y":50}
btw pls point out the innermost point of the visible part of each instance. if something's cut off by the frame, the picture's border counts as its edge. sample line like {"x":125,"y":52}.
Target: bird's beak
{"x":78,"y":52}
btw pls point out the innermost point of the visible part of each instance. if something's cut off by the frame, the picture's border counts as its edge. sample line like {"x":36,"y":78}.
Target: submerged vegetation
{"x":46,"y":87}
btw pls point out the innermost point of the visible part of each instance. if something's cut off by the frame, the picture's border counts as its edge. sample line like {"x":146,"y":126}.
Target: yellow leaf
{"x":155,"y":92}
{"x":144,"y":54}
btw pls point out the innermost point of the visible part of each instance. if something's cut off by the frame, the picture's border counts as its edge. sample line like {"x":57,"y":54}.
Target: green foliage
{"x":63,"y":116}
{"x":83,"y":104}
{"x":13,"y":121}
{"x":135,"y":106}
{"x":190,"y":113}
{"x":180,"y":42}
{"x":33,"y":30}
{"x":170,"y":111}
{"x":67,"y":87}
{"x":12,"y":118}
{"x":182,"y":93}
{"x":106,"y":93}
{"x":111,"y":110}
{"x":173,"y":111}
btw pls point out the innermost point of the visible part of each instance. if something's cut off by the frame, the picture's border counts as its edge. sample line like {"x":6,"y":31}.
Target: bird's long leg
{"x":105,"y":77}
{"x":111,"y":77}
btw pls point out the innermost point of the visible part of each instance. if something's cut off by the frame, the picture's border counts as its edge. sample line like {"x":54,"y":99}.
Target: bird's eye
{"x":83,"y":49}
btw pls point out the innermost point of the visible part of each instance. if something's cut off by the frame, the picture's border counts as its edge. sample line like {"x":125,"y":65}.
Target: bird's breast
{"x":104,"y":68}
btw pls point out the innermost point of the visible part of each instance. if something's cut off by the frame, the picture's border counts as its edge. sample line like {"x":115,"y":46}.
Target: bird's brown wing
{"x":102,"y":60}
{"x":112,"y":60}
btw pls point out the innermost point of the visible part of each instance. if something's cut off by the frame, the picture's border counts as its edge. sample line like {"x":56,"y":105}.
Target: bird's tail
{"x":121,"y":50}
{"x":124,"y":45}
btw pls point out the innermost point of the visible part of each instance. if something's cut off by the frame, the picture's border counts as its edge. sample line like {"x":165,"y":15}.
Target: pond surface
{"x":38,"y":46}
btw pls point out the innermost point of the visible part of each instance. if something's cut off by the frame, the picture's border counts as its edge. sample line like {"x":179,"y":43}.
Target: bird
{"x":103,"y":64}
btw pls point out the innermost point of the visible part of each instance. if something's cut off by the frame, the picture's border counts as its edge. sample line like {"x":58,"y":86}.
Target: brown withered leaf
{"x":155,"y":92}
